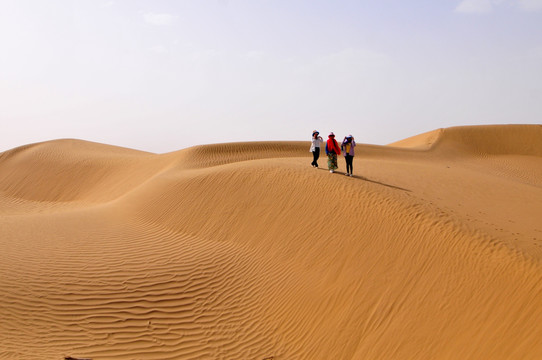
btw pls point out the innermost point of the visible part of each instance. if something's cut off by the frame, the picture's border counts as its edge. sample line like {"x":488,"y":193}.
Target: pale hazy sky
{"x":164,"y":75}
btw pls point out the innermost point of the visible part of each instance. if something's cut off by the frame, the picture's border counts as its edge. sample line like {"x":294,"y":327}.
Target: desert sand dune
{"x":480,"y":140}
{"x":243,"y":251}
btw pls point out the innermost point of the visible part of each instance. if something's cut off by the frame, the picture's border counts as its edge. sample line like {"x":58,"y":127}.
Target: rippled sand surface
{"x":433,"y":250}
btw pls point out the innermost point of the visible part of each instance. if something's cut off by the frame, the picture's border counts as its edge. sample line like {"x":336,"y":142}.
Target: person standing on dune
{"x":348,"y":147}
{"x":315,"y":147}
{"x":332,"y":150}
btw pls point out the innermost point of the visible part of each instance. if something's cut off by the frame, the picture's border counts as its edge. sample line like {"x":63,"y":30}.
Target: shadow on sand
{"x":368,"y":180}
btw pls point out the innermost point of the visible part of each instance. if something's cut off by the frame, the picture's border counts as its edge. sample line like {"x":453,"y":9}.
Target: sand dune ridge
{"x":478,"y":140}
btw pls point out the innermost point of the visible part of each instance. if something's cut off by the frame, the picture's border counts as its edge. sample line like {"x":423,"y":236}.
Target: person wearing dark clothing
{"x":347,"y":146}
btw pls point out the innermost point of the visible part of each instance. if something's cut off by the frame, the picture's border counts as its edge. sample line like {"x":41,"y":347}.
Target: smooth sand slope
{"x":243,"y":251}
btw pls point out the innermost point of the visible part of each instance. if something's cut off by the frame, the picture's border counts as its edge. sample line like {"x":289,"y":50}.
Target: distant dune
{"x":244,"y":251}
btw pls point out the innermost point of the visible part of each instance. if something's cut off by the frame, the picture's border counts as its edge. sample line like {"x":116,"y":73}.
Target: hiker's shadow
{"x":358,"y":177}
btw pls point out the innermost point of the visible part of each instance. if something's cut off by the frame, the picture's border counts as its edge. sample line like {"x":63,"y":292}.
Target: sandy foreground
{"x":244,"y":251}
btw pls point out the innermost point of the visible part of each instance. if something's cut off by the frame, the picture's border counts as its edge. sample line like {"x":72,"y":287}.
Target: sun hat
{"x":349,"y":136}
{"x":331,"y":134}
{"x":315,"y":132}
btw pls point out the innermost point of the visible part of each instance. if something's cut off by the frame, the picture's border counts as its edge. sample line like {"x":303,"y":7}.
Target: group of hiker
{"x":333,"y":150}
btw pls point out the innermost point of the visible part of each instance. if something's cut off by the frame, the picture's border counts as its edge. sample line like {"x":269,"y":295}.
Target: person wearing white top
{"x":315,"y":147}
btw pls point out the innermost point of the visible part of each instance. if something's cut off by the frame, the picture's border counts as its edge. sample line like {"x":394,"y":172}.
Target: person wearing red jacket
{"x":332,"y":150}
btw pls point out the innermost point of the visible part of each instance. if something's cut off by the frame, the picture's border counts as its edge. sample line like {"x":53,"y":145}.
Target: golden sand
{"x":433,"y":250}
